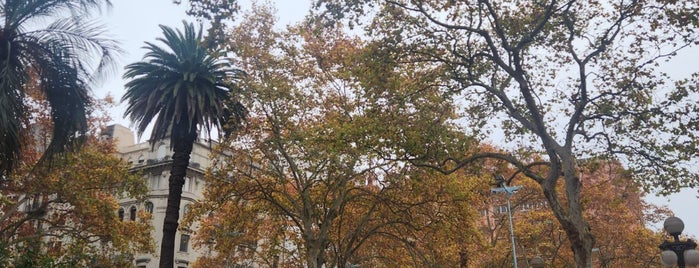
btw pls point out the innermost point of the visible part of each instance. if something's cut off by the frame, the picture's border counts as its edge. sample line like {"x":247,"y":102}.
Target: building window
{"x":121,"y":214}
{"x":132,"y":213}
{"x":154,"y":182}
{"x":184,"y":242}
{"x":185,"y":210}
{"x":484,"y":212}
{"x":185,"y":187}
{"x":161,"y":152}
{"x":149,"y":207}
{"x":32,"y":204}
{"x":140,"y":159}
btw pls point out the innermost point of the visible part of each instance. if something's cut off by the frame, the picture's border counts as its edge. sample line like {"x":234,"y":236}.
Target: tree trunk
{"x":314,"y":254}
{"x":571,"y":218}
{"x":183,"y":142}
{"x":463,"y":258}
{"x":312,"y":258}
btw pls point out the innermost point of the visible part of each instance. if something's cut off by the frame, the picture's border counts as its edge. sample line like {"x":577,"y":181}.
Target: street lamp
{"x":503,"y":188}
{"x":680,"y":253}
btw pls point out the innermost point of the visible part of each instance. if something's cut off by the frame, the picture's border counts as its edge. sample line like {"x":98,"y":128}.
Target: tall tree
{"x":619,"y":219}
{"x":303,"y":166}
{"x":568,"y":79}
{"x":184,"y":87}
{"x":64,"y":58}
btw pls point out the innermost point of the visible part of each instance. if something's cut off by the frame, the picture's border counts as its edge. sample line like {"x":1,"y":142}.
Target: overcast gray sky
{"x":133,"y":22}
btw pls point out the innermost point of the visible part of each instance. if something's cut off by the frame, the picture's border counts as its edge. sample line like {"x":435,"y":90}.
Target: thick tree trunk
{"x":312,"y":258}
{"x":571,"y":218}
{"x":182,"y":148}
{"x":315,"y":257}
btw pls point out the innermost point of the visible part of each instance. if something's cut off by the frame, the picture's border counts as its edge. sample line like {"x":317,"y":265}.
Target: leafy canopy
{"x":182,"y":85}
{"x":50,"y":45}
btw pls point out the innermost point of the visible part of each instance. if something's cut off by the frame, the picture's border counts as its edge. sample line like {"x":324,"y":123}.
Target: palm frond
{"x":179,"y":85}
{"x":68,"y":55}
{"x":67,"y":94}
{"x":19,"y":12}
{"x":84,"y":40}
{"x":10,"y":120}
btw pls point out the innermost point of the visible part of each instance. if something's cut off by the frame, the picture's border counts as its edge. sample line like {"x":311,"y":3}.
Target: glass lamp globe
{"x":691,"y":257}
{"x":673,"y":225}
{"x":668,"y":258}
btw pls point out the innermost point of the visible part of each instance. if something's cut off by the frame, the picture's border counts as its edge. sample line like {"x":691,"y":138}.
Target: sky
{"x":133,"y":22}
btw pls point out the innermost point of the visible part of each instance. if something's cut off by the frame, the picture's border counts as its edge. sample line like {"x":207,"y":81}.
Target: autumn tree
{"x":307,"y":161}
{"x":427,"y":219}
{"x":619,"y":218}
{"x":434,"y":221}
{"x":569,"y":80}
{"x":67,"y":216}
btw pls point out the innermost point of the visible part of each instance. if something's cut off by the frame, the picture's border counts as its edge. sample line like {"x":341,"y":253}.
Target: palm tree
{"x":60,"y":61}
{"x":184,"y":88}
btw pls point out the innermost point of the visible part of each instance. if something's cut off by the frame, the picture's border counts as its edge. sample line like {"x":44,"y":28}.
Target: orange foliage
{"x":68,"y":215}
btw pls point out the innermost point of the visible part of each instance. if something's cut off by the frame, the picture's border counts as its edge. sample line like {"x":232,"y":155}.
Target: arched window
{"x":140,"y":159}
{"x":132,"y":213}
{"x":149,"y":207}
{"x":121,"y":214}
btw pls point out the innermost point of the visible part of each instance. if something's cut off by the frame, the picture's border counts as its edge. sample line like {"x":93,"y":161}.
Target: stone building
{"x":154,"y":164}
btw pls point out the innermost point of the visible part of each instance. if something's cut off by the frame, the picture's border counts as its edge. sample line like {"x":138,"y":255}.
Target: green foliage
{"x":583,"y":75}
{"x":61,"y":60}
{"x":213,"y":10}
{"x":184,"y":87}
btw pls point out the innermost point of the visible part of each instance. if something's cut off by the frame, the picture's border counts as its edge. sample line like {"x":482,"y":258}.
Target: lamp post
{"x":509,"y":191}
{"x":680,"y":253}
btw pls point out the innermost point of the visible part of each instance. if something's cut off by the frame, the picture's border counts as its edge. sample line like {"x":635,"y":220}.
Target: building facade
{"x":153,"y":163}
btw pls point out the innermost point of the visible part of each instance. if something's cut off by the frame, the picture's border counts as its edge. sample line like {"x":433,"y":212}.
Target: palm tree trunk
{"x":182,"y":148}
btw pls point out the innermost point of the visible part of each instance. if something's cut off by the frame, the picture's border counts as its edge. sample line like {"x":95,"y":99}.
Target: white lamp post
{"x":503,"y":188}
